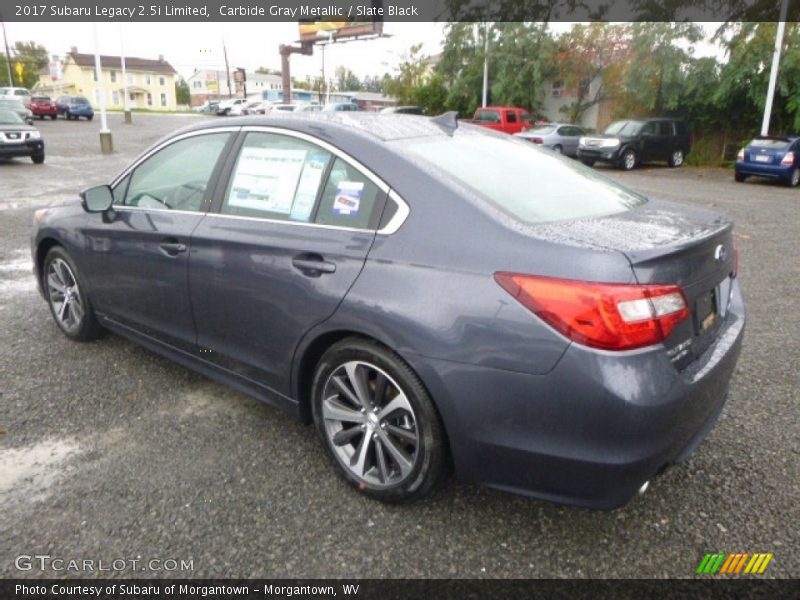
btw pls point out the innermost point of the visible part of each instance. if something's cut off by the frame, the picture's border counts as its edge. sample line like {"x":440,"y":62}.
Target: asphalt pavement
{"x":109,"y":452}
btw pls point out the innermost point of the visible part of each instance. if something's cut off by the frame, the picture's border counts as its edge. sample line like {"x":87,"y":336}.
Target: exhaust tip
{"x":644,"y":487}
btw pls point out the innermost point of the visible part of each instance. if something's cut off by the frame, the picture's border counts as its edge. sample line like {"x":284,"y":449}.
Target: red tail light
{"x":788,"y":159}
{"x":536,"y":140}
{"x":611,"y":316}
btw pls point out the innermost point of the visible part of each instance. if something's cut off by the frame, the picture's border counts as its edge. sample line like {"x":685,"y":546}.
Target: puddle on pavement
{"x":30,"y":471}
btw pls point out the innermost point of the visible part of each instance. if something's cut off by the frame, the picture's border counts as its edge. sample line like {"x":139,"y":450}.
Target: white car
{"x":17,"y":92}
{"x":231,"y":107}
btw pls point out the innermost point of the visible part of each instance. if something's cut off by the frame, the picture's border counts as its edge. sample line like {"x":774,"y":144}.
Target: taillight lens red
{"x":611,"y":316}
{"x":536,"y":140}
{"x":788,"y":159}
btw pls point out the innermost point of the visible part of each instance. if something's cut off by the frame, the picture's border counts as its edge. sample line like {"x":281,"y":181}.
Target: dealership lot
{"x":110,"y":452}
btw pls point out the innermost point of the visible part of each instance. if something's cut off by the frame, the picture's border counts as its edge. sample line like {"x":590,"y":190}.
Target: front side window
{"x":624,"y":128}
{"x":511,"y":117}
{"x":276,"y":177}
{"x":176,"y":177}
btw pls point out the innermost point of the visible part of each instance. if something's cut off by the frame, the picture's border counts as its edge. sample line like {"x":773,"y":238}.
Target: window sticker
{"x":266,"y":179}
{"x":348,"y":198}
{"x":310,"y":178}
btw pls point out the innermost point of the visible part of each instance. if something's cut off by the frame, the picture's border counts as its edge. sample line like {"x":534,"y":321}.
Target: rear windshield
{"x":489,"y":116}
{"x":771,"y":144}
{"x":624,"y":128}
{"x":80,"y":100}
{"x":40,"y":99}
{"x":531,"y":185}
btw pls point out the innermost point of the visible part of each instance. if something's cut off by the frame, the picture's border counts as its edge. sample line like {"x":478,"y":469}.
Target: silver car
{"x":559,"y":137}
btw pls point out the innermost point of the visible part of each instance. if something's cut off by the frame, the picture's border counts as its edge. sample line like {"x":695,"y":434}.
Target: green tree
{"x":346,"y":80}
{"x":33,"y":58}
{"x":182,"y":94}
{"x":411,"y":75}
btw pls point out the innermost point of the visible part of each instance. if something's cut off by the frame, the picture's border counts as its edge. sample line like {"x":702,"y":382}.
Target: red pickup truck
{"x":507,"y":119}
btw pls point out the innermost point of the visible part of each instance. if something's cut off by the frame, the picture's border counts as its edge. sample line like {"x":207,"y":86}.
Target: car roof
{"x":376,"y":126}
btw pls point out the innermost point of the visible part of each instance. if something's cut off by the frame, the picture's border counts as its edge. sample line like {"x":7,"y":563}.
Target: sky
{"x":190,"y":46}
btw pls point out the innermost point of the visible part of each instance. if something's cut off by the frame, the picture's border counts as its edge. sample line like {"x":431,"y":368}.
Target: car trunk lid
{"x":767,"y":151}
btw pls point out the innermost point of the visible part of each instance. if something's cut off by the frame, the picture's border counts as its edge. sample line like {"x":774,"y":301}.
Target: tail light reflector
{"x":788,"y":159}
{"x":610,"y":316}
{"x":536,"y":140}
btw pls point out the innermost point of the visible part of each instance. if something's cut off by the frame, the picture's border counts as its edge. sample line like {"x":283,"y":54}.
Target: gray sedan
{"x":559,"y":137}
{"x":432,"y":296}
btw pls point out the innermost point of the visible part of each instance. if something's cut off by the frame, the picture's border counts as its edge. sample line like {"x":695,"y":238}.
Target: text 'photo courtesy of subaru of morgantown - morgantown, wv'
{"x":380,"y":276}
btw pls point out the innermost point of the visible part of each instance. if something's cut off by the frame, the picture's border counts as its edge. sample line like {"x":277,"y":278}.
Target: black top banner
{"x":394,"y":10}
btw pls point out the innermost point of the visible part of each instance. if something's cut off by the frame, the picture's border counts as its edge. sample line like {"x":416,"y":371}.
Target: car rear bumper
{"x":761,"y":170}
{"x":591,"y":431}
{"x":44,"y":112}
{"x":24,"y":149}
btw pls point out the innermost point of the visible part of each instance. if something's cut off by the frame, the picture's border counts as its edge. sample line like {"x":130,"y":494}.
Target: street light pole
{"x":773,"y":73}
{"x":126,"y":110}
{"x":8,"y":55}
{"x":106,"y":144}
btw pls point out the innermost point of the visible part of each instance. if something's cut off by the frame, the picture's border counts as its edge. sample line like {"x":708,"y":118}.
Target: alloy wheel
{"x":677,"y":158}
{"x":795,"y":178}
{"x":370,"y":424}
{"x":629,"y":160}
{"x":64,"y":295}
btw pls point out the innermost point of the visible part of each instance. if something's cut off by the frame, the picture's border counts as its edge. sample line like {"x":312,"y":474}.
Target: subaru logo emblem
{"x":720,"y":254}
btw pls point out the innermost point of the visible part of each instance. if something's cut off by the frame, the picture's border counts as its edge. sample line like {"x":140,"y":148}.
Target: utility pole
{"x":773,"y":73}
{"x":227,"y":68}
{"x":286,"y":75}
{"x":125,"y":109}
{"x":485,"y":63}
{"x":8,"y":55}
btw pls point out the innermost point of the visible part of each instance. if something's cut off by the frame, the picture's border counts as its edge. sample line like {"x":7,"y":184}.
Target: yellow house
{"x":150,"y":83}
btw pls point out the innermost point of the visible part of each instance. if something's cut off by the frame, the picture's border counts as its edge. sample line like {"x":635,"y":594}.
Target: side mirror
{"x":97,"y":199}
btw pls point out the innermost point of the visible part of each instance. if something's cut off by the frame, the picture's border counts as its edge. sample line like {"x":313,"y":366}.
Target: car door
{"x":291,"y":232}
{"x":139,"y":255}
{"x":569,"y":136}
{"x":651,"y":143}
{"x":666,"y":140}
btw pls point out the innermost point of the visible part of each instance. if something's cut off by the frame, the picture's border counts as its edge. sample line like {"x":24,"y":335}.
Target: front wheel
{"x":794,"y":178}
{"x":739,"y":177}
{"x":628,"y":160}
{"x":676,"y":158}
{"x":66,"y":295}
{"x":90,"y":117}
{"x":377,"y":422}
{"x":38,"y":158}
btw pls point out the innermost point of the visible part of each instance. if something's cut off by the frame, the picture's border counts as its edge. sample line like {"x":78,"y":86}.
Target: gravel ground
{"x":110,"y":452}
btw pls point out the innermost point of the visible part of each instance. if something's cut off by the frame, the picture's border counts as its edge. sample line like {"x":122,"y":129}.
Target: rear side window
{"x":544,"y":188}
{"x":680,"y":128}
{"x":665,"y":128}
{"x":349,"y":198}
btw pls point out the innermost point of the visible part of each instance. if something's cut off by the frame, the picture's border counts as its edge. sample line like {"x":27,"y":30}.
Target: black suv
{"x":632,"y":141}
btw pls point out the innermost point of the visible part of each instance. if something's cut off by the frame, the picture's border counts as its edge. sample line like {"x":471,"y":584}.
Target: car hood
{"x":16,"y":127}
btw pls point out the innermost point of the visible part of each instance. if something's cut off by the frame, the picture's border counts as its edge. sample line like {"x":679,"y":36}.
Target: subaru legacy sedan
{"x":552,"y":334}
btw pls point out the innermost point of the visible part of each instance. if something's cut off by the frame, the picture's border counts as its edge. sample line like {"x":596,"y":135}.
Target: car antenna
{"x":447,"y":122}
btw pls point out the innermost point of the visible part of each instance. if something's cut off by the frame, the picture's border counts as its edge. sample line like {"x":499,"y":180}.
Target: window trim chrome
{"x":394,"y":224}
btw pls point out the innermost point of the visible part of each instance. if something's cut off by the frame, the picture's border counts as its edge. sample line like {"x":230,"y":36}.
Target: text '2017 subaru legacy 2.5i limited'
{"x":551,"y":334}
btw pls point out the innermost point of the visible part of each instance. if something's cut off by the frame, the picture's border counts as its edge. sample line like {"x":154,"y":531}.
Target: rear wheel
{"x":66,"y":295}
{"x":588,"y":162}
{"x":628,"y":160}
{"x":739,"y":177}
{"x":794,"y":178}
{"x":558,"y":149}
{"x":377,"y":422}
{"x":90,"y":117}
{"x":676,"y":158}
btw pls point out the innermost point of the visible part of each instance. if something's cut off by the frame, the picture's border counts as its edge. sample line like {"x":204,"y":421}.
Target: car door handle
{"x":313,"y":265}
{"x":172,"y":248}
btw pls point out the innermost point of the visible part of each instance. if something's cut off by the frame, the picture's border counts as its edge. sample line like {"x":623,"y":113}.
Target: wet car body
{"x":770,"y":157}
{"x":525,"y":407}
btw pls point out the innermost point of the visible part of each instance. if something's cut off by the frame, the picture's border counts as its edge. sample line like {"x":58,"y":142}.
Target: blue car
{"x":382,"y":277}
{"x":769,"y":156}
{"x":75,"y":107}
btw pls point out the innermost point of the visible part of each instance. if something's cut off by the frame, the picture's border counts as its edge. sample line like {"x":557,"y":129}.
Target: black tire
{"x":739,"y":177}
{"x":38,"y":158}
{"x":89,"y":118}
{"x":54,"y":117}
{"x":677,"y":158}
{"x":588,"y":162}
{"x":69,"y":116}
{"x":794,"y":178}
{"x":628,"y":160}
{"x":86,"y":327}
{"x":425,"y":464}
